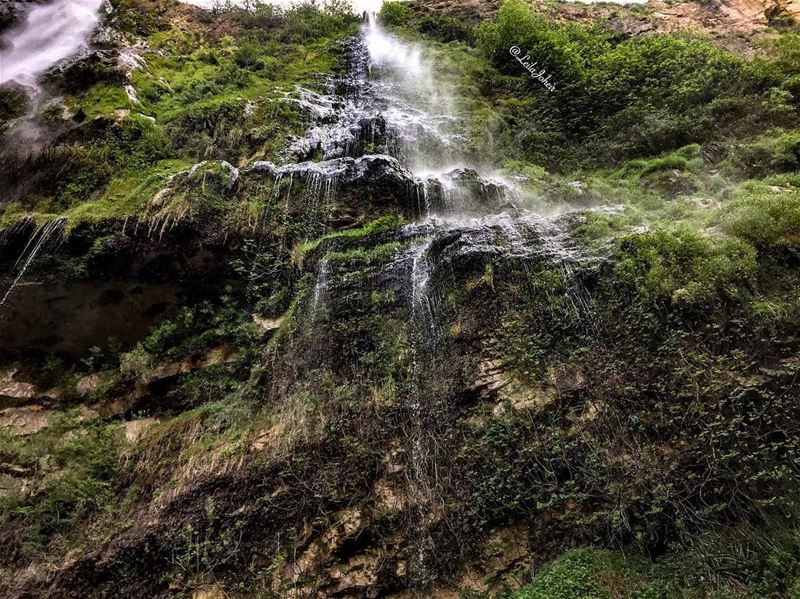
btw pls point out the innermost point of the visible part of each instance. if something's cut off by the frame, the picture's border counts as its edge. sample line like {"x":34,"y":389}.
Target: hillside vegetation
{"x":214,"y":384}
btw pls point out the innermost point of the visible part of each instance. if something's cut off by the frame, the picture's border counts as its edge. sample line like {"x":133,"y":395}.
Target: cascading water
{"x":42,"y":238}
{"x":48,"y":34}
{"x":391,"y":103}
{"x":321,"y":286}
{"x":456,"y":198}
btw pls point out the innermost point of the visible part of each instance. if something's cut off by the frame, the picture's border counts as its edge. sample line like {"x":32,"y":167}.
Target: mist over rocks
{"x":48,"y":33}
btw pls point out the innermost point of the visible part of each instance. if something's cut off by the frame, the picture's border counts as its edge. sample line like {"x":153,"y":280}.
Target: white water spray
{"x":48,"y":34}
{"x":320,"y":287}
{"x":40,"y":239}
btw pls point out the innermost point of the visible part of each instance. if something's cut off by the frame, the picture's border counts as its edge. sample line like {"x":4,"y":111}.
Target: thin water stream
{"x":391,"y":107}
{"x":42,"y":238}
{"x":389,"y":110}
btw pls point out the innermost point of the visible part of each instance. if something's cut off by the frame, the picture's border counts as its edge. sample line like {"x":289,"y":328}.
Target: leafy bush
{"x":394,"y":14}
{"x":581,"y":574}
{"x":785,"y":51}
{"x":766,"y":219}
{"x":614,"y":100}
{"x":739,"y":561}
{"x":676,"y":71}
{"x":683,"y":267}
{"x":776,"y":152}
{"x":307,"y":22}
{"x":128,"y":16}
{"x":248,"y":56}
{"x":195,"y":328}
{"x":258,"y":16}
{"x":445,"y":29}
{"x":563,"y":50}
{"x":85,"y":461}
{"x":136,"y":363}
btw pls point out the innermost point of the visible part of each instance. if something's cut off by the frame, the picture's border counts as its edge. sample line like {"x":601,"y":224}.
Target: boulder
{"x":92,"y":382}
{"x":267,"y":325}
{"x":134,"y":429}
{"x":14,"y":101}
{"x":25,"y":420}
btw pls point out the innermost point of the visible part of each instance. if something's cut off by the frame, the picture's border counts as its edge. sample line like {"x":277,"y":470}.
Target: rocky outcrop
{"x":367,"y":182}
{"x":14,"y":102}
{"x":25,"y":420}
{"x":17,"y":391}
{"x":463,"y":191}
{"x":736,"y":24}
{"x":150,"y":391}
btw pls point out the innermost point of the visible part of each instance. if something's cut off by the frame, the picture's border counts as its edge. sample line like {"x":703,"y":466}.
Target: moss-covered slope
{"x":220,"y":378}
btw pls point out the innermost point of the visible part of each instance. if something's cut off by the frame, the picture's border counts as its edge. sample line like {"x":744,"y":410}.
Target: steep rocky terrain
{"x":298,"y":305}
{"x":737,"y":24}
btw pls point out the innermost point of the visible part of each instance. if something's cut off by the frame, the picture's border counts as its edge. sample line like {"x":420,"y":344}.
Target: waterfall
{"x":463,"y":214}
{"x":48,"y":34}
{"x":422,"y":309}
{"x":40,"y":239}
{"x":423,"y":319}
{"x":320,"y":287}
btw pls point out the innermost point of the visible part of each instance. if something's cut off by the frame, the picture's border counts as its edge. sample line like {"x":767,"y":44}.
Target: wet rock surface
{"x":359,"y":158}
{"x":397,"y":393}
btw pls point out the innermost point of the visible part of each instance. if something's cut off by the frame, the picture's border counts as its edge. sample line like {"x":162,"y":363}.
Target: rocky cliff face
{"x":290,"y":310}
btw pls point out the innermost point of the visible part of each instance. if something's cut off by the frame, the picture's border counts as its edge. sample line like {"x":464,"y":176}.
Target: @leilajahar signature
{"x":516,"y":51}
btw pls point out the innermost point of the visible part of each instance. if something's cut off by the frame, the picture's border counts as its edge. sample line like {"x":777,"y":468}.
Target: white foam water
{"x":48,"y":34}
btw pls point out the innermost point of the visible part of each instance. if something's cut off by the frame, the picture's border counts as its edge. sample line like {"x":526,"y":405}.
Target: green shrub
{"x":136,"y":363}
{"x":195,"y":328}
{"x":259,"y":15}
{"x":786,"y":54}
{"x":582,"y":574}
{"x":394,"y":14}
{"x":306,"y":22}
{"x":776,"y":152}
{"x":562,"y":49}
{"x":683,"y":267}
{"x":614,"y":100}
{"x":675,"y":71}
{"x":766,"y":219}
{"x":445,"y":29}
{"x":248,"y":56}
{"x":80,"y":462}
